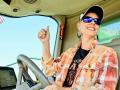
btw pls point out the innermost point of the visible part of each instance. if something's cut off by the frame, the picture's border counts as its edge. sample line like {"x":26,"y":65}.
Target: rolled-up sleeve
{"x":51,"y":66}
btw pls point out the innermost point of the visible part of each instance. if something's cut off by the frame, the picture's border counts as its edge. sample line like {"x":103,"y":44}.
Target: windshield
{"x":19,"y":36}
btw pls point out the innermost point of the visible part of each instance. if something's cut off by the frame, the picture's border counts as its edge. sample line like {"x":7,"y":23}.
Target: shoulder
{"x":110,"y":50}
{"x":70,"y":50}
{"x":110,"y":53}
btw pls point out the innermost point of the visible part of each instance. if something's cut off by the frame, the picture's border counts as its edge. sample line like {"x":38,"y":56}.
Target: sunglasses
{"x":88,"y":19}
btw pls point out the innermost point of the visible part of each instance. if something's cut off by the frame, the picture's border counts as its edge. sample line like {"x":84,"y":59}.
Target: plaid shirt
{"x":97,"y":71}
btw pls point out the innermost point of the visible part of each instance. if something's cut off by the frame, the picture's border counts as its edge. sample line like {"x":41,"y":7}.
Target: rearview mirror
{"x":7,"y":78}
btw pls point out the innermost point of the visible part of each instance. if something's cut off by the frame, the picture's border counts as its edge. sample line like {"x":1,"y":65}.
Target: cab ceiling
{"x":47,"y":7}
{"x":44,"y":7}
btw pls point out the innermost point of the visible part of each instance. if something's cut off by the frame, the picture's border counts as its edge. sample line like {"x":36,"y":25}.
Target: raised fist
{"x":44,"y":35}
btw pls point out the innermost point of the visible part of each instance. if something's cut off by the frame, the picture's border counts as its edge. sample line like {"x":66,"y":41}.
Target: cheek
{"x":97,"y":27}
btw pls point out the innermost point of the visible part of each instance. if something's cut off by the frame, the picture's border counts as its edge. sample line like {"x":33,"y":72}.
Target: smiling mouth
{"x":91,"y":29}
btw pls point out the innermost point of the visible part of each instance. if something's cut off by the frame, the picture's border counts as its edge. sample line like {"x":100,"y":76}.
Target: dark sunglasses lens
{"x":97,"y":21}
{"x":89,"y":19}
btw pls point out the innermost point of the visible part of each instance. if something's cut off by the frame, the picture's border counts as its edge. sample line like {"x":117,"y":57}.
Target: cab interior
{"x":67,"y":14}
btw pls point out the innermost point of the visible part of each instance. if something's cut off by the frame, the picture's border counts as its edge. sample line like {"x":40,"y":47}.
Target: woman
{"x":86,"y":66}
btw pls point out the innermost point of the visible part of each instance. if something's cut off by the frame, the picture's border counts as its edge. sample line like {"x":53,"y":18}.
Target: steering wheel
{"x":24,"y":63}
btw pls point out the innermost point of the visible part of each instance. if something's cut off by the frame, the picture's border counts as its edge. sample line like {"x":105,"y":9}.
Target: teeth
{"x":91,"y":29}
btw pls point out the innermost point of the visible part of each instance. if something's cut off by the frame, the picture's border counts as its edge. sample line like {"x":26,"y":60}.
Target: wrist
{"x":45,"y":42}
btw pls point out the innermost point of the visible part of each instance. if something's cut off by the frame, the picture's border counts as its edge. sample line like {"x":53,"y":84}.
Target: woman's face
{"x":90,"y":29}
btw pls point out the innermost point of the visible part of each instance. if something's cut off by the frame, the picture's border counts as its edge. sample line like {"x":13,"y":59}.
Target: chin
{"x":89,"y":33}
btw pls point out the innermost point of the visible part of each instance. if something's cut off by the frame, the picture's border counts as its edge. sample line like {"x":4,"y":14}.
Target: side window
{"x":19,"y":36}
{"x":109,"y":31}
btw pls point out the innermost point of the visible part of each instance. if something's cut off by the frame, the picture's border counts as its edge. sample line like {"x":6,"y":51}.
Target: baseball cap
{"x":95,"y":9}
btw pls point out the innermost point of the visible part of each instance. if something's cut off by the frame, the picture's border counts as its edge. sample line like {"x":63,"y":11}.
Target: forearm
{"x":76,"y":88}
{"x":46,"y":51}
{"x":55,"y":87}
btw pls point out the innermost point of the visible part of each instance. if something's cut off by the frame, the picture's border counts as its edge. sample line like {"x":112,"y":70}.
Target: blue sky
{"x":19,"y":36}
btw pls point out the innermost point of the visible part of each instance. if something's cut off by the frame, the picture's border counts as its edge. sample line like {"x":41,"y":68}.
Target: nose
{"x":93,"y":22}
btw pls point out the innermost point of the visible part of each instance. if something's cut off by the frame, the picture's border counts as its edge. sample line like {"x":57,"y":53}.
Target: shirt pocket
{"x":89,"y":72}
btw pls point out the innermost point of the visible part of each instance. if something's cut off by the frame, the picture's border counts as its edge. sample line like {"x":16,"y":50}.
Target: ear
{"x":78,"y":25}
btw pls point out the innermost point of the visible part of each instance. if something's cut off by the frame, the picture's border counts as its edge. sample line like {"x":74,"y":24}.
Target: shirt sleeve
{"x":52,"y":66}
{"x":109,"y":76}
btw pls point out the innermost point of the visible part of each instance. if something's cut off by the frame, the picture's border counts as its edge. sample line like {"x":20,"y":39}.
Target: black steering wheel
{"x":24,"y":63}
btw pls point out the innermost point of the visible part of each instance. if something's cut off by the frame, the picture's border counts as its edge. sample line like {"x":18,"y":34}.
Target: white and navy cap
{"x":95,"y":9}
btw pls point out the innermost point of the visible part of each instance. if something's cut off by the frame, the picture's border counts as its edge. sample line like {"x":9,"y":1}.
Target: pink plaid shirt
{"x":97,"y":71}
